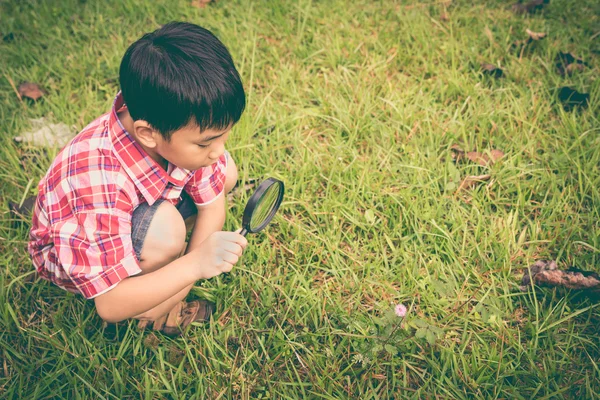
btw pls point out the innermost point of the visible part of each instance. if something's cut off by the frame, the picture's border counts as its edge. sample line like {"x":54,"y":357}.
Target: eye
{"x":203,"y":146}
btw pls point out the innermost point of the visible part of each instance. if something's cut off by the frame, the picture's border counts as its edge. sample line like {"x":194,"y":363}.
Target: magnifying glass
{"x":262,"y":206}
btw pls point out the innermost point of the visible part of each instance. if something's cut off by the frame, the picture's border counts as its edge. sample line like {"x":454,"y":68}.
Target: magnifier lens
{"x":264,"y":206}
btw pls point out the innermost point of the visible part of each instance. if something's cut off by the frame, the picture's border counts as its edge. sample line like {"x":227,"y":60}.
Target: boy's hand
{"x":218,"y":253}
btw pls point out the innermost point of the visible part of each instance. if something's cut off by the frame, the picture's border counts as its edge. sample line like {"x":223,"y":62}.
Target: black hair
{"x":178,"y":74}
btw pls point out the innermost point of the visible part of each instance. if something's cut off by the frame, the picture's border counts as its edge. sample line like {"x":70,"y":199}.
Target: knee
{"x":165,"y":238}
{"x":231,"y":175}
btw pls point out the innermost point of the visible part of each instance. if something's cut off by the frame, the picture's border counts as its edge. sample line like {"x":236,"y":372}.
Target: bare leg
{"x":153,"y":255}
{"x":164,"y":242}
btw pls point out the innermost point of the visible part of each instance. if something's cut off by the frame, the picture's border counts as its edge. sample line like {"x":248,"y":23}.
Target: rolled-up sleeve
{"x":208,"y":183}
{"x":90,"y":230}
{"x":96,"y":251}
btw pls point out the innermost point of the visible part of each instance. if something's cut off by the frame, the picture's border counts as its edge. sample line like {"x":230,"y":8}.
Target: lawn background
{"x":355,"y":105}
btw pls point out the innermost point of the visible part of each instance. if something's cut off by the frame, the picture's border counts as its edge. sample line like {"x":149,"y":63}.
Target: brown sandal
{"x":180,"y":317}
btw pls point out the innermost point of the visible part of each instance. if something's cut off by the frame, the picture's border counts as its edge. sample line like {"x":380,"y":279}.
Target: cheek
{"x":199,"y":152}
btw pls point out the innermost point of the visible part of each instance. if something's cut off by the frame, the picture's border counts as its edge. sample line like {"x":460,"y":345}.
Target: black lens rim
{"x":253,"y":201}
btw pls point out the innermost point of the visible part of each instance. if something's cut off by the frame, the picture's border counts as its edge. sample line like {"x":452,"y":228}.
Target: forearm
{"x":210,"y":219}
{"x":138,"y":294}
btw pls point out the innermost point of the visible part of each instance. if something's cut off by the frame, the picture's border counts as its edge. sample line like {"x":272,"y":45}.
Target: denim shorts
{"x":143,"y":214}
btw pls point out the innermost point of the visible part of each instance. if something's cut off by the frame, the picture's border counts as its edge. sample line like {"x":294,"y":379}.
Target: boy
{"x":109,"y":217}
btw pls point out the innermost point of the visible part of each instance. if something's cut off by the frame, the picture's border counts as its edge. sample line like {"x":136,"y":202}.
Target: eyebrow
{"x":213,"y":137}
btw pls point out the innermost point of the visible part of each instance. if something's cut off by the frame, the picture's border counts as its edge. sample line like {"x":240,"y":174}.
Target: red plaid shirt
{"x":81,"y":233}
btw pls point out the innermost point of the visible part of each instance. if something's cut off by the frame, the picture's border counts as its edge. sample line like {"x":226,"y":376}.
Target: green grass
{"x":355,"y":105}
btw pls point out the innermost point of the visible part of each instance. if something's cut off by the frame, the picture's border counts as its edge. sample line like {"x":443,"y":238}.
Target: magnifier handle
{"x":244,"y":232}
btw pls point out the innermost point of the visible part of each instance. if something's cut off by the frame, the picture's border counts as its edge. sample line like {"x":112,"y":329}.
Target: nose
{"x":218,"y":152}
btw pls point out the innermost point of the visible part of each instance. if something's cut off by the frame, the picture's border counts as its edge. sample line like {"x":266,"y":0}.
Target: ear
{"x":145,"y":134}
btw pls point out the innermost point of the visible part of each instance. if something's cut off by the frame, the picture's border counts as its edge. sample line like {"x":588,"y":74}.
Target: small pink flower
{"x":400,"y":310}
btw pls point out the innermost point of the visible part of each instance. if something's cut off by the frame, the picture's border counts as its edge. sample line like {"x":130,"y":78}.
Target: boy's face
{"x":191,"y":149}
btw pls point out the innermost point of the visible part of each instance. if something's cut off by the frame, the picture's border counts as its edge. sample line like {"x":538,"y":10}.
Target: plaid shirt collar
{"x":150,"y":178}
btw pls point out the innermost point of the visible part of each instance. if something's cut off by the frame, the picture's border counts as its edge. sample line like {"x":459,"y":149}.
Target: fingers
{"x":227,"y":247}
{"x":230,"y":258}
{"x":234,"y":237}
{"x":232,"y":247}
{"x":227,"y":267}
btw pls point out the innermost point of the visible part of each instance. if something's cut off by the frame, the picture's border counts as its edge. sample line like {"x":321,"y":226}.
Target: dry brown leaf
{"x":471,"y":181}
{"x":30,"y":90}
{"x":482,"y":159}
{"x":479,"y":158}
{"x":496,"y":154}
{"x":536,"y":35}
{"x":201,"y":3}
